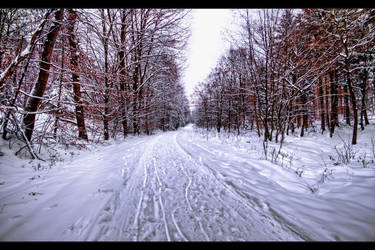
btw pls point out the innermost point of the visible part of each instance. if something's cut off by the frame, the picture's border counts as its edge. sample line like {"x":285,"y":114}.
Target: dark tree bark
{"x":135,"y":98}
{"x":346,"y":103}
{"x":255,"y":115}
{"x":352,"y":96}
{"x":326,"y":103}
{"x":123,"y":89}
{"x":80,"y":117}
{"x":106,"y":83}
{"x":334,"y":116}
{"x":364,"y":118}
{"x":304,"y":113}
{"x":33,"y":102}
{"x":321,"y":102}
{"x":136,"y":56}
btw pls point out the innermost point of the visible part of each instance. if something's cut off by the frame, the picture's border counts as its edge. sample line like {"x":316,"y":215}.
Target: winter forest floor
{"x":190,"y":185}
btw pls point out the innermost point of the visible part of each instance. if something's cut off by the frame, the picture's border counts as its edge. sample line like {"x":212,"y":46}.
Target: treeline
{"x":90,"y":74}
{"x":291,"y":68}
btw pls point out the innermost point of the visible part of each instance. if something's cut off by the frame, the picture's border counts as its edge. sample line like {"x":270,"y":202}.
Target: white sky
{"x":206,"y":44}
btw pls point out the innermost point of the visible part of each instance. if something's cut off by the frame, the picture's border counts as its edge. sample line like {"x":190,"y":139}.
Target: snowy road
{"x":167,"y":187}
{"x":174,"y":196}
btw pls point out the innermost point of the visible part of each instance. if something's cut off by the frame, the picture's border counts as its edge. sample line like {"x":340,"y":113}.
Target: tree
{"x":80,"y":117}
{"x":293,"y":65}
{"x":40,"y":86}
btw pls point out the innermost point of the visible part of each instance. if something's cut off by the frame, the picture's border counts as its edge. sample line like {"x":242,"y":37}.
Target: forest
{"x":93,"y":74}
{"x":289,"y":70}
{"x":99,"y":140}
{"x":73,"y":76}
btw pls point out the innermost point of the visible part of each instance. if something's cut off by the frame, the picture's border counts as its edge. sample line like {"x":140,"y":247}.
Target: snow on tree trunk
{"x":37,"y":92}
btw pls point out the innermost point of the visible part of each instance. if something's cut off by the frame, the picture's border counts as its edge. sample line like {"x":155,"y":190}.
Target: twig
{"x":33,"y":155}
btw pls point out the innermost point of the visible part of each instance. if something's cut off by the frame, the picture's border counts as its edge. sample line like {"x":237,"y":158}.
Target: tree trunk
{"x":304,"y":114}
{"x":326,"y":103}
{"x":80,"y":117}
{"x":219,"y":114}
{"x":321,"y":102}
{"x":255,"y":115}
{"x":33,"y":102}
{"x":334,"y":117}
{"x":121,"y":54}
{"x":352,"y":100}
{"x":363,"y":100}
{"x":135,"y":98}
{"x":106,"y":90}
{"x":346,"y":102}
{"x":56,"y":124}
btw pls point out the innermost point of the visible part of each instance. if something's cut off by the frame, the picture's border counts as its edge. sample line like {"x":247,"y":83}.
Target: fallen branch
{"x":33,"y":155}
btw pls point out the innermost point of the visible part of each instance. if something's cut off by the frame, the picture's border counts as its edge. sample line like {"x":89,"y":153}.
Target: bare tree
{"x":40,"y":85}
{"x":72,"y":16}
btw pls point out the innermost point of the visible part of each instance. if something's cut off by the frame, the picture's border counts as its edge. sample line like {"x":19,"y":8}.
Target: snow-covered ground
{"x":186,"y":186}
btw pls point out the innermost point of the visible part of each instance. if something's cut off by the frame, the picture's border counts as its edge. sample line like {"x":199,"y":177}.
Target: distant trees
{"x":352,"y":32}
{"x":295,"y":67}
{"x":90,"y":74}
{"x":222,"y":100}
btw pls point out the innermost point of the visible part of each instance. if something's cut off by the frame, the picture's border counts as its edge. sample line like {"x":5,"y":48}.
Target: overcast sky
{"x":206,"y":44}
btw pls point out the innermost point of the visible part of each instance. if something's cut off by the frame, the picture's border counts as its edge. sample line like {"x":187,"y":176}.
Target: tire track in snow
{"x":211,"y":172}
{"x":240,"y":196}
{"x":104,"y":226}
{"x":177,"y":227}
{"x":188,"y":176}
{"x":103,"y":216}
{"x":129,"y":225}
{"x":230,"y":188}
{"x":147,"y":211}
{"x":186,"y":192}
{"x":128,"y":228}
{"x":146,"y":163}
{"x":136,"y":218}
{"x":160,"y":200}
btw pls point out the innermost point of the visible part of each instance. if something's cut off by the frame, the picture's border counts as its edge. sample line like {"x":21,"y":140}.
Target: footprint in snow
{"x":35,"y":193}
{"x":52,"y":206}
{"x":108,"y":190}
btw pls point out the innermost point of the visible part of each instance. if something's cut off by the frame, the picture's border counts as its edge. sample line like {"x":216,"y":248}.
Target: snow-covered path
{"x":169,"y":187}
